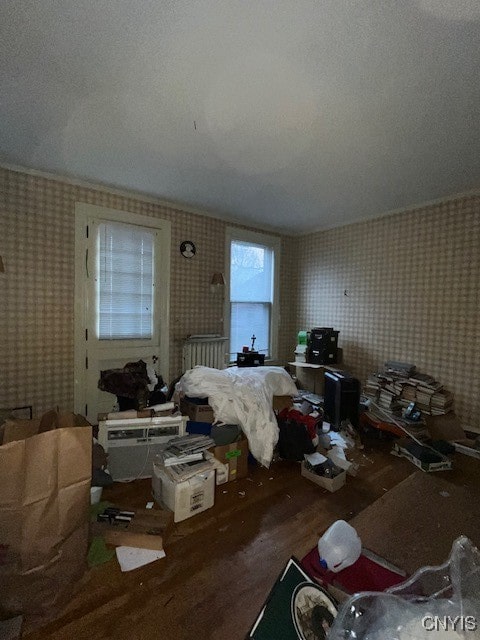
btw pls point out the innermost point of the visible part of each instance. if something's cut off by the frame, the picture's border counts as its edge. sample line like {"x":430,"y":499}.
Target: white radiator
{"x":207,"y":350}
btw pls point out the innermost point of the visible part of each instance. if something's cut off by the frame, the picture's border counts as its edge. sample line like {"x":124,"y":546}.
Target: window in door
{"x":121,"y":299}
{"x":253,"y":261}
{"x":125,"y":282}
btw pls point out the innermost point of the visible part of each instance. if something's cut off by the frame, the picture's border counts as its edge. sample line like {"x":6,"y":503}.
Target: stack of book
{"x":430,"y":396}
{"x":388,"y":400}
{"x":422,"y":398}
{"x":408,"y":392}
{"x":387,"y":379}
{"x":425,"y":380}
{"x":399,"y":369}
{"x":400,"y":384}
{"x":441,"y":402}
{"x":373,"y":386}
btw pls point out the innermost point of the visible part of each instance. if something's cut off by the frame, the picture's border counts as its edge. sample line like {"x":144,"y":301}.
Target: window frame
{"x":273,"y":243}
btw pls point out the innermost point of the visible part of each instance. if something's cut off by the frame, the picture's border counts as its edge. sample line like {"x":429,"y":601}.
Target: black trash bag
{"x":294,"y":440}
{"x":125,"y":404}
{"x":130,"y":385}
{"x":130,"y":382}
{"x":157,"y":396}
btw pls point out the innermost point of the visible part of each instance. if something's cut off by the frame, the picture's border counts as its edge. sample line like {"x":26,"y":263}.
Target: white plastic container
{"x":339,"y":547}
{"x":95,"y":494}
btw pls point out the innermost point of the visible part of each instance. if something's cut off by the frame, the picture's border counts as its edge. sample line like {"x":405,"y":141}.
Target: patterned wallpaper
{"x":412,"y":282}
{"x":37,"y":246}
{"x":405,"y":286}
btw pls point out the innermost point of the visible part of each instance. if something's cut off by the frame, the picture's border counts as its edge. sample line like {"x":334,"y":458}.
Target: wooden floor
{"x":221,"y":564}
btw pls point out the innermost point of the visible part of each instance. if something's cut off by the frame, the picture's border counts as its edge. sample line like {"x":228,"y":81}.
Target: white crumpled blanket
{"x":243,"y":396}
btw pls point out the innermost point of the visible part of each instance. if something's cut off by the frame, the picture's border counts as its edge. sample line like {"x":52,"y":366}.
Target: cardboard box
{"x":195,"y":411}
{"x":282,"y":402}
{"x":147,"y":529}
{"x":221,"y":469}
{"x":331,"y":484}
{"x":234,"y":455}
{"x":186,"y":498}
{"x":311,"y":377}
{"x":443,"y":464}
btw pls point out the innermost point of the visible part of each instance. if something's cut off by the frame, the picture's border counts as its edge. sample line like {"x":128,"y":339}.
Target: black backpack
{"x":293,"y":440}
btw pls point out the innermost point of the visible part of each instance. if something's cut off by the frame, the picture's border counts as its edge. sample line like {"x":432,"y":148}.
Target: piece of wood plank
{"x":415,"y":523}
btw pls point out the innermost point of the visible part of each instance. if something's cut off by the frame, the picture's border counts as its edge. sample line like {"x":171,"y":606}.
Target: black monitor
{"x":341,"y":398}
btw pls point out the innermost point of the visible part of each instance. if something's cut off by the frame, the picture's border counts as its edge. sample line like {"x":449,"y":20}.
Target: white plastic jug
{"x":339,"y":547}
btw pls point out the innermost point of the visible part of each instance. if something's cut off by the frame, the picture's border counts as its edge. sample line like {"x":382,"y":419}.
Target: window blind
{"x":125,"y":282}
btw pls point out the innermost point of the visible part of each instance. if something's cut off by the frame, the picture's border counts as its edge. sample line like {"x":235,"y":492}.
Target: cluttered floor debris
{"x":220,"y":565}
{"x":189,"y":532}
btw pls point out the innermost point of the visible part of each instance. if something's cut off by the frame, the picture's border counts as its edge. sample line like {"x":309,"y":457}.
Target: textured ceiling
{"x":296,"y":115}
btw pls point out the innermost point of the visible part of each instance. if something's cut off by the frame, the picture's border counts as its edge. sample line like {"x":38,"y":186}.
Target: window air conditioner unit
{"x":132,"y":444}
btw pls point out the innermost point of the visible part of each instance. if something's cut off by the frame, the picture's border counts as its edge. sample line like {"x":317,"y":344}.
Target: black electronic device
{"x":322,"y":346}
{"x":412,"y":413}
{"x":342,"y":398}
{"x":250,"y":359}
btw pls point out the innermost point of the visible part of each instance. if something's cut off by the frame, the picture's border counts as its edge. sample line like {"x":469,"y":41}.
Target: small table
{"x":312,"y":376}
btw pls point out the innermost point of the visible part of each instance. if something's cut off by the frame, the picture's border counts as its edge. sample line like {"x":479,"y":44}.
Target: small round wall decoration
{"x":187,"y":249}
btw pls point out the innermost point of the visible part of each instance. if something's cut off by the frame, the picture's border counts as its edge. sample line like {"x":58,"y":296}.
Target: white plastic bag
{"x":435,"y":603}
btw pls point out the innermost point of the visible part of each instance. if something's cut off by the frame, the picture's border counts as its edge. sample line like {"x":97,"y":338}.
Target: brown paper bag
{"x":44,"y":515}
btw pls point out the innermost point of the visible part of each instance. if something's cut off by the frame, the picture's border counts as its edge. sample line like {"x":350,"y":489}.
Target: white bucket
{"x":95,"y":494}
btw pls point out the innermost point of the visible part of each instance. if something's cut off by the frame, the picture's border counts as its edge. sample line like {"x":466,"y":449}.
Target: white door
{"x":121,"y":299}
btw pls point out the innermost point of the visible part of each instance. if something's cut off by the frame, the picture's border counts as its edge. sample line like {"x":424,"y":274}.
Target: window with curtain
{"x":125,"y":283}
{"x":252,"y":269}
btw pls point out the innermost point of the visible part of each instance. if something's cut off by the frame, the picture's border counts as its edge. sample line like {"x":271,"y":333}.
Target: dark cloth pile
{"x":130,"y":385}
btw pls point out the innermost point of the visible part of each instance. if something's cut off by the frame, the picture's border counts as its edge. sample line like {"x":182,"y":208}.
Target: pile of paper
{"x":185,"y":449}
{"x":185,"y":456}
